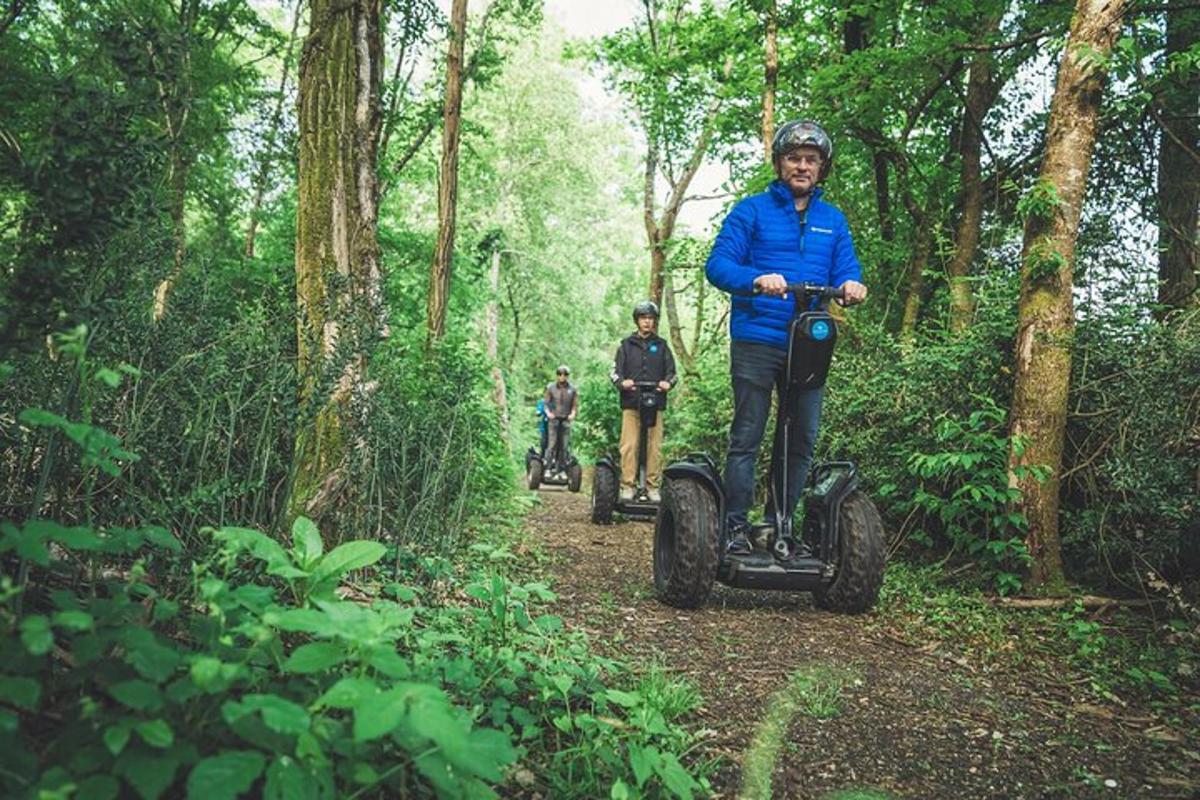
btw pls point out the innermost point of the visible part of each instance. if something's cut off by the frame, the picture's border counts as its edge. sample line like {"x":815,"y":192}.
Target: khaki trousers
{"x":631,"y":422}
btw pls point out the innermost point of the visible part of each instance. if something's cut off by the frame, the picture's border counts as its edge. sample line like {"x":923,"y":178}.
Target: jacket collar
{"x":783,"y":194}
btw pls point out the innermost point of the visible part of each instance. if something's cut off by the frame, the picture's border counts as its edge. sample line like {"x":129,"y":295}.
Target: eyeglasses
{"x":563,"y":372}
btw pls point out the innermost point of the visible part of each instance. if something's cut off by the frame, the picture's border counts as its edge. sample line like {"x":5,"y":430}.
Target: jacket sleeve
{"x":728,"y":267}
{"x":618,"y":366}
{"x":845,"y":260}
{"x":670,"y":375}
{"x":548,"y":398}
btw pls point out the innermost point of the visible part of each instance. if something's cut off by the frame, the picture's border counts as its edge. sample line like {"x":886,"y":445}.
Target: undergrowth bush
{"x":260,"y":678}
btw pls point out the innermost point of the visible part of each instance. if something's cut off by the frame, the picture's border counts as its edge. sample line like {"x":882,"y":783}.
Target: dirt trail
{"x":903,"y":722}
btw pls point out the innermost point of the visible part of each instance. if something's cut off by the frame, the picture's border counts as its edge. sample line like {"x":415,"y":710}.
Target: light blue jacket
{"x":763,"y":234}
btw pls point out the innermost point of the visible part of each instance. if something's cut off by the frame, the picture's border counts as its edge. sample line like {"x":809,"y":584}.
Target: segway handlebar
{"x":813,"y":290}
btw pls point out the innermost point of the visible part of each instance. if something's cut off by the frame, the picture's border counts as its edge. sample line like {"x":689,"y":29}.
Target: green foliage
{"x":965,"y":486}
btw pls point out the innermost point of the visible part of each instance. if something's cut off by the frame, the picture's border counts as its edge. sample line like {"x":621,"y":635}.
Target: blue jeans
{"x":757,"y":369}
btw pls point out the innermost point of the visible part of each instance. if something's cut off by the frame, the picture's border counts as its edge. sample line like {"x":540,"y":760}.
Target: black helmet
{"x":646,"y":308}
{"x":803,"y":133}
{"x":563,"y":369}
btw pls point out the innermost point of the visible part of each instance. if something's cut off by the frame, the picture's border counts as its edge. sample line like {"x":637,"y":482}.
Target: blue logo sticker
{"x":819,"y":330}
{"x":653,"y":348}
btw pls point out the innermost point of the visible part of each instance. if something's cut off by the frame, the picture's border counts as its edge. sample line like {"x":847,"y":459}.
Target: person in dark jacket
{"x":561,"y":403}
{"x":787,"y":234}
{"x":642,"y":357}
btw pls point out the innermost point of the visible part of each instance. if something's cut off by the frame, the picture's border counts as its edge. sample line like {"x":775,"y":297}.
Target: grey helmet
{"x":563,"y":369}
{"x":803,"y":133}
{"x":645,"y":308}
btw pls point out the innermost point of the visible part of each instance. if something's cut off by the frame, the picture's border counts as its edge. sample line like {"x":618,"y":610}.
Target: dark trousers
{"x":756,"y":370}
{"x":560,"y":438}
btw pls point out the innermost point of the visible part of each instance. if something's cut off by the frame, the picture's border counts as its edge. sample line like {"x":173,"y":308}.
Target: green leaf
{"x":643,"y":760}
{"x":261,"y":547}
{"x":152,"y":659}
{"x":149,"y":773}
{"x":19,"y":691}
{"x":226,"y":776}
{"x":73,"y":620}
{"x":98,"y":787}
{"x":156,"y":733}
{"x":306,"y":540}
{"x":280,"y":715}
{"x":675,"y":777}
{"x":138,"y":695}
{"x":620,"y":791}
{"x":348,"y":693}
{"x":116,"y":737}
{"x":36,"y":634}
{"x":625,"y":699}
{"x":303,"y":620}
{"x":287,"y":780}
{"x":109,"y":377}
{"x":347,"y":557}
{"x":315,"y":657}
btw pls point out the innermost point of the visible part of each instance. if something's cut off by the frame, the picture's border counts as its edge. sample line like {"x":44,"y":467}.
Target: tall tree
{"x":443,"y":253}
{"x":338,"y":292}
{"x":1046,"y":318}
{"x":770,"y":74}
{"x":982,"y":89}
{"x":1179,"y":160}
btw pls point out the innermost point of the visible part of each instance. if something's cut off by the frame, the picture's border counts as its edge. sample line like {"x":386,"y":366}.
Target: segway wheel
{"x":534,"y":473}
{"x":604,"y":494}
{"x":855,"y":586}
{"x":575,"y":477}
{"x":686,"y":543}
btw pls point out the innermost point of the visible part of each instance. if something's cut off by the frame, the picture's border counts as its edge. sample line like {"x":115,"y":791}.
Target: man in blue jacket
{"x":787,"y":234}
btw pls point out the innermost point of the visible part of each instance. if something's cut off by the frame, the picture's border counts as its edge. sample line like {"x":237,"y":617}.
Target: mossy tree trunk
{"x":1046,"y":319}
{"x":340,"y":313}
{"x":981,"y":94}
{"x":1179,"y":164}
{"x":443,"y":253}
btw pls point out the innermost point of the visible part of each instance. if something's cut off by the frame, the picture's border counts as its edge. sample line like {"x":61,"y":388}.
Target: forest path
{"x":909,"y":720}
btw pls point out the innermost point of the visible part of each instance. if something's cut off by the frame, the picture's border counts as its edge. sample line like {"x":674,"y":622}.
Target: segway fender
{"x":703,"y":471}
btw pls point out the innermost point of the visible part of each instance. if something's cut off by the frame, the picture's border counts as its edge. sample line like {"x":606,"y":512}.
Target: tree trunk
{"x":340,"y":311}
{"x":1179,"y":166}
{"x":916,"y":283}
{"x":1045,"y":315}
{"x":676,"y":330}
{"x":980,"y":96}
{"x":268,"y":151}
{"x":180,"y":166}
{"x":499,"y":393}
{"x":443,"y":253}
{"x":771,"y":75}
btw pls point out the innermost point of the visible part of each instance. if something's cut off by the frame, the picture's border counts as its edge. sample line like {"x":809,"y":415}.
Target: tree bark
{"x":443,"y":253}
{"x":980,"y":96}
{"x":1178,"y":170}
{"x":268,"y":152}
{"x":340,"y":312}
{"x":916,"y":282}
{"x":770,"y":77}
{"x":1046,"y":319}
{"x":676,"y":330}
{"x":499,"y":393}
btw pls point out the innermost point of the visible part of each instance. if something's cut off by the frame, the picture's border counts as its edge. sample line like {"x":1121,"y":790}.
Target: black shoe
{"x":739,"y":543}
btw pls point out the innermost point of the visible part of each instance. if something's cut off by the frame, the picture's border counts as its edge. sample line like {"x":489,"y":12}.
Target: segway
{"x":561,"y":468}
{"x":838,"y":552}
{"x":606,"y":479}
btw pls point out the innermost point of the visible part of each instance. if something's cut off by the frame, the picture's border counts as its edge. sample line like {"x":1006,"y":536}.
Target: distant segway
{"x":838,"y":552}
{"x":556,"y":468}
{"x":606,"y":479}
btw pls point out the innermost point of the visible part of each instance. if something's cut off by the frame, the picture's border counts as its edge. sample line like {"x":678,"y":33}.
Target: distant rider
{"x":643,"y":357}
{"x":787,"y":234}
{"x":561,"y":404}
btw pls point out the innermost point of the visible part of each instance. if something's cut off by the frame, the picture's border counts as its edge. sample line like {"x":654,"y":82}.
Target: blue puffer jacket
{"x":763,"y":234}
